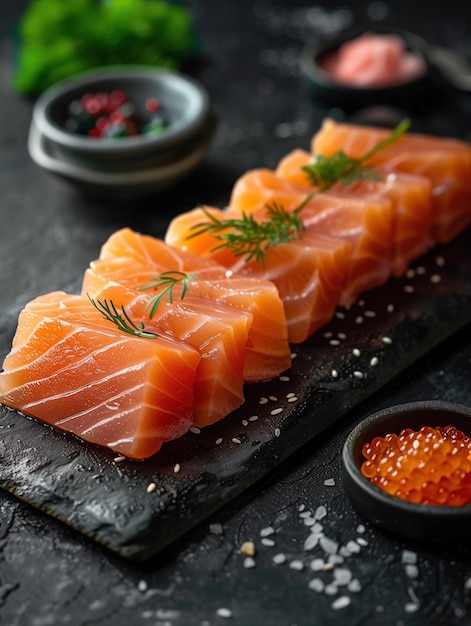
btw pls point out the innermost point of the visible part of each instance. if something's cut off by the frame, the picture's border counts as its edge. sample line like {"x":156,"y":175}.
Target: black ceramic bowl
{"x":140,"y":162}
{"x":423,"y":522}
{"x":405,"y":94}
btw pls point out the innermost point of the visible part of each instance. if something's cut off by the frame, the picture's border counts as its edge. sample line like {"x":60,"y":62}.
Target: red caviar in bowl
{"x":428,"y":466}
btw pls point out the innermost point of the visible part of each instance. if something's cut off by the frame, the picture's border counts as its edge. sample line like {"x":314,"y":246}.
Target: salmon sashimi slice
{"x":445,"y":162}
{"x":366,"y":224}
{"x":410,"y":194}
{"x":155,"y":252}
{"x":268,"y":353}
{"x":75,"y":370}
{"x":308,"y":272}
{"x":219,"y":332}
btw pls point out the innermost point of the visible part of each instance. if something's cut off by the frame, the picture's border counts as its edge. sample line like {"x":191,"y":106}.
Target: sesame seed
{"x":354,"y":586}
{"x":421,"y":270}
{"x":317,"y":565}
{"x":273,"y":398}
{"x":370,"y":314}
{"x":334,"y":342}
{"x":277,"y":432}
{"x":410,"y":273}
{"x":290,"y":395}
{"x":440,"y":261}
{"x":223,"y":612}
{"x":195,"y":430}
{"x":411,"y":607}
{"x":218,"y":441}
{"x":359,"y":319}
{"x":328,"y":334}
{"x":293,"y":355}
{"x":358,"y":374}
{"x":374,"y":361}
{"x":316,"y":584}
{"x":263,"y":400}
{"x":176,"y":468}
{"x":284,"y":379}
{"x":356,"y":352}
{"x":266,"y":541}
{"x":386,"y":339}
{"x":151,"y":487}
{"x":341,"y":336}
{"x":253,"y":418}
{"x":360,"y":529}
{"x":341,"y":602}
{"x":142,"y":586}
{"x":236,"y":440}
{"x":339,"y":315}
{"x":276,"y":411}
{"x":119,"y":459}
{"x":361,"y":303}
{"x":248,"y":548}
{"x":334,"y":374}
{"x":245,"y":423}
{"x":435,"y":278}
{"x":409,"y":288}
{"x":215,"y":529}
{"x":390,"y":308}
{"x":292,"y":399}
{"x":279,"y":559}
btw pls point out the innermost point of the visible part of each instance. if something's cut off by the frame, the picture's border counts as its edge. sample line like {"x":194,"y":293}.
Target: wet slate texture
{"x":50,"y":573}
{"x":108,"y":501}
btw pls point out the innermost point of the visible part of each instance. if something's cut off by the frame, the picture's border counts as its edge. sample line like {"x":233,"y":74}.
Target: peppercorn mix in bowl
{"x":134,"y":128}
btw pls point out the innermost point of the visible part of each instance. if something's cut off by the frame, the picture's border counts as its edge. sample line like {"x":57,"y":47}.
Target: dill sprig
{"x":245,"y":236}
{"x":121,"y":319}
{"x":325,"y":172}
{"x":168,"y":280}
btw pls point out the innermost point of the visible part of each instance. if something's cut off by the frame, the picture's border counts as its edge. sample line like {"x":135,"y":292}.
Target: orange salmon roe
{"x":429,"y":466}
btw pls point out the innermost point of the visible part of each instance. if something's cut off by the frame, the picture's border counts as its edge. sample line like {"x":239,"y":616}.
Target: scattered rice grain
{"x":356,"y":352}
{"x":176,"y":468}
{"x":329,"y":482}
{"x":267,"y":531}
{"x":276,"y":411}
{"x":374,"y":361}
{"x":293,"y":399}
{"x":386,"y":339}
{"x":358,"y":374}
{"x":334,"y":374}
{"x":119,"y":459}
{"x":253,"y":418}
{"x":296,"y":565}
{"x":236,"y":440}
{"x":151,"y":487}
{"x":223,"y":612}
{"x":316,"y":584}
{"x":266,"y":541}
{"x":249,"y":562}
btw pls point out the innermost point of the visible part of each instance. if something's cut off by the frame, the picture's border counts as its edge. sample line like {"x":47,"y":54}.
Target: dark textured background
{"x":50,"y":574}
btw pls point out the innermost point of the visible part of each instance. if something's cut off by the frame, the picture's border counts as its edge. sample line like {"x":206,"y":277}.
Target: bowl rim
{"x":378,"y":422}
{"x":178,"y":132}
{"x":313,"y":71}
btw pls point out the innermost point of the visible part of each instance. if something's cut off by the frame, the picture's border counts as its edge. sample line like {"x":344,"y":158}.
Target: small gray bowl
{"x":406,"y":94}
{"x":423,"y":522}
{"x":136,"y":163}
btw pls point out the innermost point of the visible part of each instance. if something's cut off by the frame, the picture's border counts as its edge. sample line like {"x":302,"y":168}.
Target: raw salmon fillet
{"x":309,"y":272}
{"x":366,"y":224}
{"x":72,"y":368}
{"x":218,"y":332}
{"x":410,"y":194}
{"x":268,"y":353}
{"x":445,"y":162}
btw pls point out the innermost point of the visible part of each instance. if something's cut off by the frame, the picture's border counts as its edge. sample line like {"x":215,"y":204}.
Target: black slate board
{"x":86,"y":488}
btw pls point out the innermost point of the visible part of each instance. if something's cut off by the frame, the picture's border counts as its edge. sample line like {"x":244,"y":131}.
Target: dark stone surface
{"x":51,"y":574}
